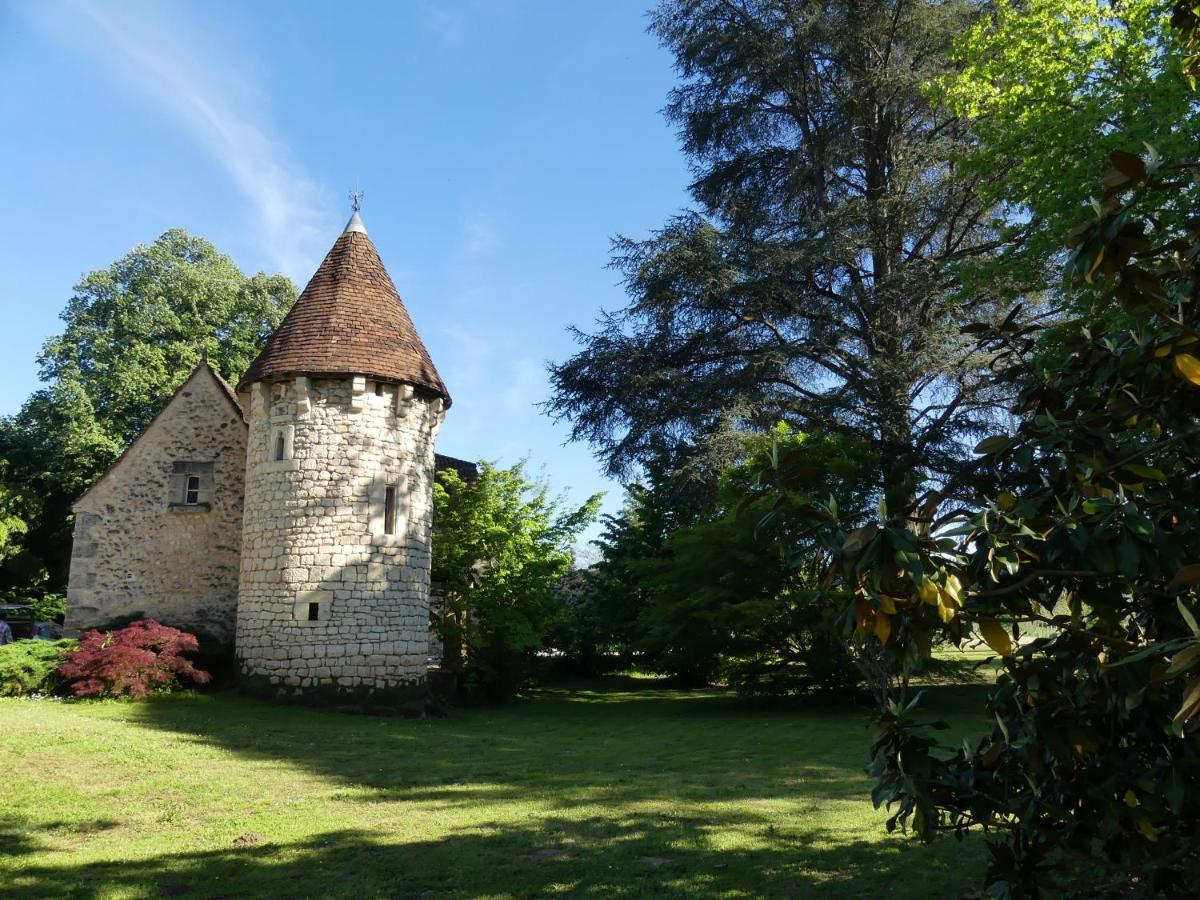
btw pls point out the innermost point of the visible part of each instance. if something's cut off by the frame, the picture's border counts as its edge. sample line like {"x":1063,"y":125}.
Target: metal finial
{"x":356,"y":222}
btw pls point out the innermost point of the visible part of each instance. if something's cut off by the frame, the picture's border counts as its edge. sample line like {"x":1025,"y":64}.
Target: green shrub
{"x":46,"y":604}
{"x":30,"y":667}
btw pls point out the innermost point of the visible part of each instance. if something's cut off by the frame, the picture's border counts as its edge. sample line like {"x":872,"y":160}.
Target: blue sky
{"x":500,"y":144}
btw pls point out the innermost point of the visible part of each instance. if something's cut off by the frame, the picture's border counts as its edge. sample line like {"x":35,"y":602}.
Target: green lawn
{"x":618,"y":788}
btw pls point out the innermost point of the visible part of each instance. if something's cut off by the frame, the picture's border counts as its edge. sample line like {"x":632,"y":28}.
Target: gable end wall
{"x":138,"y":550}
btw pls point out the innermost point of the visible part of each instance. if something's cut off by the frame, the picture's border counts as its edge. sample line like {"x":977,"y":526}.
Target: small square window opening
{"x":314,"y":612}
{"x":379,"y":389}
{"x":191,"y":493}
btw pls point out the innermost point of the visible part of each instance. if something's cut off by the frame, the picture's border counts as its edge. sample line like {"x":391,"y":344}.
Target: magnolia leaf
{"x":946,"y":611}
{"x":1115,"y":179}
{"x":1188,"y":367}
{"x":997,"y":443}
{"x":954,"y":589}
{"x":1006,"y":500}
{"x":1188,"y":617}
{"x":1191,"y":702}
{"x":949,"y":599}
{"x":927,"y":590}
{"x":996,"y":637}
{"x":1182,"y":660}
{"x":883,"y":627}
{"x":1146,"y":472}
{"x":858,"y":539}
{"x":1186,"y":576}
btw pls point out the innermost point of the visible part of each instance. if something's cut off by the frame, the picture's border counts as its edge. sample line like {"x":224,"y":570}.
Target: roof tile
{"x":349,"y":320}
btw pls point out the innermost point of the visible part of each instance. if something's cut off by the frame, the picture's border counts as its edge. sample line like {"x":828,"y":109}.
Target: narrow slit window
{"x":389,"y":510}
{"x":191,"y":493}
{"x":279,"y":446}
{"x":379,"y":389}
{"x":314,"y":612}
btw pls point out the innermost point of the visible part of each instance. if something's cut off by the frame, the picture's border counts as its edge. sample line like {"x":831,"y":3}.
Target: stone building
{"x":293,"y":515}
{"x":160,"y":532}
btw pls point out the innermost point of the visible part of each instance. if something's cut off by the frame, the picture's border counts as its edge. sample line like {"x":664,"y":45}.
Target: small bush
{"x":30,"y":667}
{"x":132,"y":662}
{"x":47,"y":605}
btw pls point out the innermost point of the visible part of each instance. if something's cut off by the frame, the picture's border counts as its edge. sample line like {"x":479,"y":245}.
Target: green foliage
{"x":1052,"y":88}
{"x":606,"y":624}
{"x":132,"y":334}
{"x":821,"y":281}
{"x":31,"y":667}
{"x":135,"y":329}
{"x":707,"y":597}
{"x":1088,"y":527}
{"x":47,"y":605}
{"x":727,"y":602}
{"x":500,"y":546}
{"x":12,"y":525}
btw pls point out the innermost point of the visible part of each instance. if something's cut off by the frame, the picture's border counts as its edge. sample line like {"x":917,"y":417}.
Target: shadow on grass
{"x":587,"y":743}
{"x":19,"y":838}
{"x":633,"y":856}
{"x":613,"y":789}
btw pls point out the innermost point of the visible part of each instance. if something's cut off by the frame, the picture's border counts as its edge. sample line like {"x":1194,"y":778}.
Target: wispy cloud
{"x":212,"y":97}
{"x":479,"y":236}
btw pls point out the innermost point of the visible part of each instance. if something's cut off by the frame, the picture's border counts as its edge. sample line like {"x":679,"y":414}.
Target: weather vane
{"x":356,"y":198}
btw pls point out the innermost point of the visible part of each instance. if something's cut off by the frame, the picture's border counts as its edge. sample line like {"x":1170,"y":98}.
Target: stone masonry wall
{"x":327,"y":597}
{"x":140,"y":548}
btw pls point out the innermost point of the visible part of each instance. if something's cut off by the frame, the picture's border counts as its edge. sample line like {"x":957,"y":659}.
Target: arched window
{"x":279,"y":446}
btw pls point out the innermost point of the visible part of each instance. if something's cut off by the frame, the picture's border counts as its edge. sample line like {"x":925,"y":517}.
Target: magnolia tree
{"x":1088,"y":527}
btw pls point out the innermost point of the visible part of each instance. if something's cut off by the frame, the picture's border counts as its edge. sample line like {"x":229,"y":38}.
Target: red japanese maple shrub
{"x":133,"y":661}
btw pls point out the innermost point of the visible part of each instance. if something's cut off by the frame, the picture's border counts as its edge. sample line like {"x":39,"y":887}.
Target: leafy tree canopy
{"x":133,"y":332}
{"x":1052,"y":88}
{"x":706,"y":594}
{"x":821,"y":281}
{"x":1087,"y":530}
{"x":727,"y":598}
{"x":500,"y":547}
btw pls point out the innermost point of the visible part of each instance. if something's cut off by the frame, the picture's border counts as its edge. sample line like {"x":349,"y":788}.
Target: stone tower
{"x":344,"y":406}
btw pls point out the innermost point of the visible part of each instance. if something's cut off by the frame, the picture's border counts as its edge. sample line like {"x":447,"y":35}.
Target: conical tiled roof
{"x":349,"y":320}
